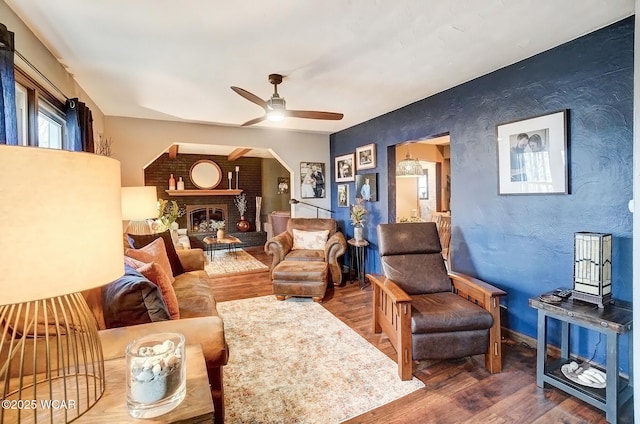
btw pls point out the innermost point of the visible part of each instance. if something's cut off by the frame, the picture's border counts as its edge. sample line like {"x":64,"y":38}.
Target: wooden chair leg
{"x":493,"y":358}
{"x":217,"y":394}
{"x":404,"y":344}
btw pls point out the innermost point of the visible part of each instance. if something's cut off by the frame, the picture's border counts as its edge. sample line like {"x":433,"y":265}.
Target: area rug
{"x":294,"y":362}
{"x":225,"y":262}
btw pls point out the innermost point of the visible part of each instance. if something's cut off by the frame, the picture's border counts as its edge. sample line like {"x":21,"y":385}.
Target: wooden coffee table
{"x":231,"y":242}
{"x":197,"y":406}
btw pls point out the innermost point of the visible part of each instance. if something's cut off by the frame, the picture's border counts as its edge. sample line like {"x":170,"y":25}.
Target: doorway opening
{"x":421,"y":198}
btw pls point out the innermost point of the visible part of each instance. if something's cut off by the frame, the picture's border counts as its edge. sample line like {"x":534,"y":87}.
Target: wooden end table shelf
{"x":197,"y":406}
{"x":613,"y":320}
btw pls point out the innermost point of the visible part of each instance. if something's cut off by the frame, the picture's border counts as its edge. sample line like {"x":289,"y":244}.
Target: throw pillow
{"x":153,"y":252}
{"x":138,"y":241}
{"x":309,"y":240}
{"x":132,"y":299}
{"x":159,"y":277}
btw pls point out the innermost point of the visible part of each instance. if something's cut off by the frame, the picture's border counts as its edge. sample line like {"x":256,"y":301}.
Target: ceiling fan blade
{"x":250,"y":96}
{"x":254,"y":121}
{"x":312,"y":114}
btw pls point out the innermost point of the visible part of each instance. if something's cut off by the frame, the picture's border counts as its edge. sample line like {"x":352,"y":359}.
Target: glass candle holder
{"x":156,"y":374}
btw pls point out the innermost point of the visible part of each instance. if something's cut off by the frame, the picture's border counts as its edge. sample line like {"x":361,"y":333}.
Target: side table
{"x":213,"y":242}
{"x":613,"y":320}
{"x":357,"y":260}
{"x":197,"y":406}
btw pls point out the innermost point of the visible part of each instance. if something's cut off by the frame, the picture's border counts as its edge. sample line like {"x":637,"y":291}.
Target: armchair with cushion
{"x":427,"y":312}
{"x":285,"y":246}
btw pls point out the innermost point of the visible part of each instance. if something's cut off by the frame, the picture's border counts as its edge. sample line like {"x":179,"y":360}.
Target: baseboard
{"x":532,"y":342}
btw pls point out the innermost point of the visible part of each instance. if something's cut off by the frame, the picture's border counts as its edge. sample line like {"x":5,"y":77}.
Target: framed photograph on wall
{"x":367,"y":187}
{"x":366,"y":157}
{"x":532,"y":155}
{"x":312,"y":180}
{"x":283,"y":185}
{"x":345,"y":170}
{"x":343,"y":195}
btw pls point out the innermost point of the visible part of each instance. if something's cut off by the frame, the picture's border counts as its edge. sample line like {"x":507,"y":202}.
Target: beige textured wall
{"x":137,"y":142}
{"x":37,"y":54}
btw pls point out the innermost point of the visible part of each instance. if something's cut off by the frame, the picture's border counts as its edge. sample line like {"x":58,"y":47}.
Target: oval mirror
{"x":205,"y":174}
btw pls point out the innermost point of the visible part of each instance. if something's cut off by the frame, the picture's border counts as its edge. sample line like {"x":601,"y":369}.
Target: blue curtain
{"x":8,"y":119}
{"x":79,"y":126}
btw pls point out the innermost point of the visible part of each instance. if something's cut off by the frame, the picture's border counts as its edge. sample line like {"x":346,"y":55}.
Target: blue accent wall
{"x":524,"y":244}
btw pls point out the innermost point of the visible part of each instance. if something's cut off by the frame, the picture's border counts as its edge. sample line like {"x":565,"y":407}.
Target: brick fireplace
{"x":208,"y":207}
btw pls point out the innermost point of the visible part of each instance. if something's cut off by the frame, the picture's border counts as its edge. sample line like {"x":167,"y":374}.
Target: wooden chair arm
{"x":392,"y":290}
{"x":476,"y":291}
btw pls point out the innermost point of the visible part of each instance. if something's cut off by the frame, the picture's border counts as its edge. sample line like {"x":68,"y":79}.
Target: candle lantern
{"x":592,"y":268}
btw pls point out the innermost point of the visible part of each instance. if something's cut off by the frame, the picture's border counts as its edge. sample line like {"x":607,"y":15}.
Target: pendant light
{"x":409,"y":167}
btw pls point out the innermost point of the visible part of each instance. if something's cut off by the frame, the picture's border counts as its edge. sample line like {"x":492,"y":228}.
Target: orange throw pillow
{"x":153,"y":252}
{"x":154,"y":273}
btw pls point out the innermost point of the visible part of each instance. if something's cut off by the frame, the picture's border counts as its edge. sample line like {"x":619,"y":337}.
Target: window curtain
{"x":8,"y":118}
{"x":79,"y":126}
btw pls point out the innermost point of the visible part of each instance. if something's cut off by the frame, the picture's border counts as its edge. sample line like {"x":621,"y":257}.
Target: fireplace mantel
{"x":203,"y":192}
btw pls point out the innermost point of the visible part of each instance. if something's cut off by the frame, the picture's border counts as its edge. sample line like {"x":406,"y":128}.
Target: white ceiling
{"x":175,"y":60}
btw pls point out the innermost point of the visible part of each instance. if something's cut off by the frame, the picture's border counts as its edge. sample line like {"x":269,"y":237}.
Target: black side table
{"x":357,"y":260}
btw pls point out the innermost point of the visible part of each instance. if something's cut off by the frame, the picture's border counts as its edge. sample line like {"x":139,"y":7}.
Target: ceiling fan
{"x":275,"y":108}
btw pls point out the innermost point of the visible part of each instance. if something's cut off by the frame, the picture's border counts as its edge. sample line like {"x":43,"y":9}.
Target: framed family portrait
{"x":366,"y":157}
{"x":283,"y":185}
{"x":345,"y":170}
{"x":367,"y":187}
{"x":532,"y":155}
{"x":343,"y":195}
{"x":312,"y":180}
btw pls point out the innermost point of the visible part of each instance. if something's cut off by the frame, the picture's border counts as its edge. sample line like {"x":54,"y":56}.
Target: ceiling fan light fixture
{"x":275,"y":115}
{"x":409,"y":167}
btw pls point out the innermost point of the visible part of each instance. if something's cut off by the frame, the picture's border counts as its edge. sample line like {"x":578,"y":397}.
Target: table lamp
{"x":592,"y":268}
{"x":138,"y":205}
{"x":61,"y":234}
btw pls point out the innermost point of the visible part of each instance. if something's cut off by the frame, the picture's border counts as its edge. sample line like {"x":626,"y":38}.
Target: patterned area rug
{"x":225,"y":262}
{"x":294,"y":362}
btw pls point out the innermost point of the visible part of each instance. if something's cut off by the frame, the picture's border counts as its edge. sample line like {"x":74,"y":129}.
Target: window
{"x":50,"y":127}
{"x":423,"y":185}
{"x":40,"y":115}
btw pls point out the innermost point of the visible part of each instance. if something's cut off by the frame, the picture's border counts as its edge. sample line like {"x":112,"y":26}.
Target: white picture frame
{"x":532,"y":155}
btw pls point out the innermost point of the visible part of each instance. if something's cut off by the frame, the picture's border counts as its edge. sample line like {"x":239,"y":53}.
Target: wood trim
{"x":203,"y":192}
{"x":173,"y":151}
{"x":237,"y":153}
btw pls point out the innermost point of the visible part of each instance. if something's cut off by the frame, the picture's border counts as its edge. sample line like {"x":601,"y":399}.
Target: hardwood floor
{"x":456,"y":391}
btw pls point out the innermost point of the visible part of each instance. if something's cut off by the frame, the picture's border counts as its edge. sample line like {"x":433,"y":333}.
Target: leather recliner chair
{"x":280,"y":246}
{"x":427,"y":312}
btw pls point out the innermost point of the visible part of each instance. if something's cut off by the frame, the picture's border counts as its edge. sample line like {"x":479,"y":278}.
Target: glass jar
{"x":156,"y":374}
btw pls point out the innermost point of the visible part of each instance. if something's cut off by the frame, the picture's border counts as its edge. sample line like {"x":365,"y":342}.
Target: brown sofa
{"x":199,"y":322}
{"x":280,"y":246}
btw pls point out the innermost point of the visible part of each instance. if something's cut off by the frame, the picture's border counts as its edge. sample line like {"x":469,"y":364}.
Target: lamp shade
{"x":61,"y":224}
{"x":139,"y":203}
{"x":409,"y":167}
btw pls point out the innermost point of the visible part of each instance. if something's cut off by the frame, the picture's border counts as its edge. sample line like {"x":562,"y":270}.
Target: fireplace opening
{"x":201,"y":219}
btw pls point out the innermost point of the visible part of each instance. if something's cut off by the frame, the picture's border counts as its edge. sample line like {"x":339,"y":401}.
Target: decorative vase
{"x":258,"y":210}
{"x":172,"y":183}
{"x":156,"y":374}
{"x":220,"y":234}
{"x":357,"y":232}
{"x":243,"y":225}
{"x":180,"y":184}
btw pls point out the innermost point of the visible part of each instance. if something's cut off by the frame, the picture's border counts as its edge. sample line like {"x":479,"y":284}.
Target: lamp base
{"x":51,"y":360}
{"x":139,"y":228}
{"x":601,"y":301}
